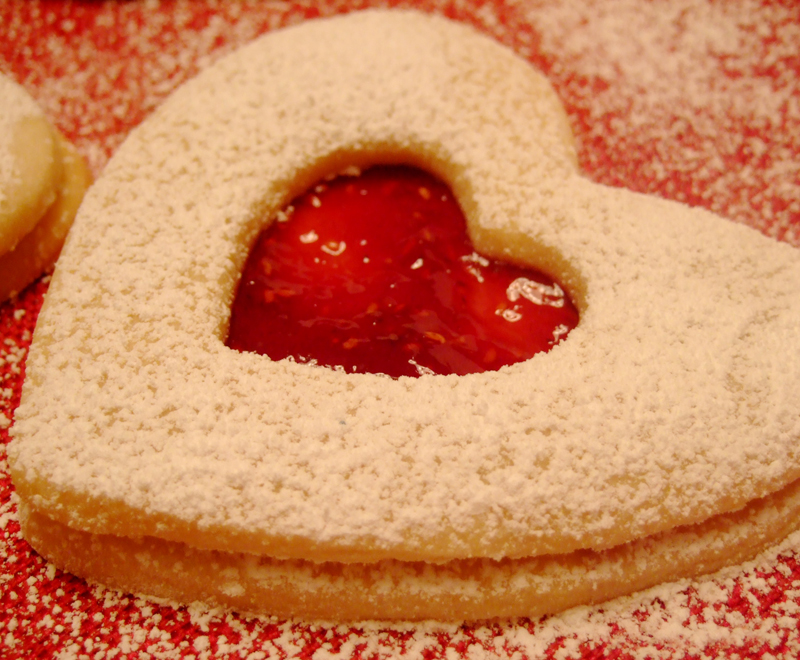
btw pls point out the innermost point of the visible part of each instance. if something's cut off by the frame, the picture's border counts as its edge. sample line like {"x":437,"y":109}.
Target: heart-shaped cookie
{"x":672,"y":402}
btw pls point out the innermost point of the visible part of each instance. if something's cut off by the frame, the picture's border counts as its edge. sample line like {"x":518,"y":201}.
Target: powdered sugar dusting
{"x":743,"y":613}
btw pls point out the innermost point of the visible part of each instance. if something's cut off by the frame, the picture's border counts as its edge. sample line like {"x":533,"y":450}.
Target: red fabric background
{"x":694,"y":100}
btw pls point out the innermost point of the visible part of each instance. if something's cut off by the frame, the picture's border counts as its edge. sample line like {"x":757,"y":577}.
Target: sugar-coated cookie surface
{"x":674,"y":399}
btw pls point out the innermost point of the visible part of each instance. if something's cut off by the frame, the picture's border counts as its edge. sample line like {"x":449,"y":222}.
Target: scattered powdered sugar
{"x":719,"y":78}
{"x":743,"y":165}
{"x":12,"y":357}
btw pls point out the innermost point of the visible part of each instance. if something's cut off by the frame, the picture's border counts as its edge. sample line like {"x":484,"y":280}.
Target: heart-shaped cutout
{"x":375,"y":273}
{"x":673,"y":402}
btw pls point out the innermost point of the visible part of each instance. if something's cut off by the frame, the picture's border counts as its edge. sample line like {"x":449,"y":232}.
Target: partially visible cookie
{"x":38,"y":250}
{"x":42,"y":182}
{"x":30,"y":169}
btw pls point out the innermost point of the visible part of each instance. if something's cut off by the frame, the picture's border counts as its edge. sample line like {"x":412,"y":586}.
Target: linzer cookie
{"x":659,"y":434}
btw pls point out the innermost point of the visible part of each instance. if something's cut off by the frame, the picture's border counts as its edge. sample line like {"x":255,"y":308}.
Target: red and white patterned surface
{"x":693,"y":100}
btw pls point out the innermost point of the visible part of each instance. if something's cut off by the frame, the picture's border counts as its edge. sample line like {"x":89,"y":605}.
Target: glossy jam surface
{"x":375,"y":273}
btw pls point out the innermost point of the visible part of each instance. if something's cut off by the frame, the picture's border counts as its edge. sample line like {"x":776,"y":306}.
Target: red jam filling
{"x":375,"y":273}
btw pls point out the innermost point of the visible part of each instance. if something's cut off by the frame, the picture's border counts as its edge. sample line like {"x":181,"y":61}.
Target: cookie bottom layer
{"x":474,"y":589}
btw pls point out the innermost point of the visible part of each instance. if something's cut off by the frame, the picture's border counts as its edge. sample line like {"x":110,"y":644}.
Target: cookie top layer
{"x":673,"y":400}
{"x":30,"y":170}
